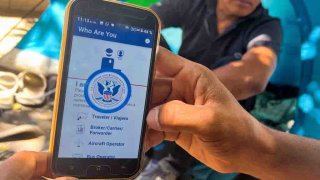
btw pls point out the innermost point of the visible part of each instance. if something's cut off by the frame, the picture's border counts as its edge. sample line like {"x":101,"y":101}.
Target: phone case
{"x":60,"y":72}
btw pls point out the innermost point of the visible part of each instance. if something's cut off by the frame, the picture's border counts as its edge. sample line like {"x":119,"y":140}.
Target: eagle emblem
{"x":108,"y":91}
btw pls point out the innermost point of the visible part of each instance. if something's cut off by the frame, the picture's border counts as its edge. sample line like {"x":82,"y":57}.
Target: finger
{"x":152,"y":138}
{"x":161,"y":89}
{"x":158,"y":74}
{"x":27,"y":165}
{"x":176,"y":116}
{"x":42,"y":163}
{"x":168,"y":64}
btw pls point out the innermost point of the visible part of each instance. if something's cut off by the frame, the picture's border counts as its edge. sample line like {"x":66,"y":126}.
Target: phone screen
{"x":106,"y":89}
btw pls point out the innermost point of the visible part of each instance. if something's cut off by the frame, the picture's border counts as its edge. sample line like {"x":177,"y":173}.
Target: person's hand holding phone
{"x":194,"y":109}
{"x":191,"y":107}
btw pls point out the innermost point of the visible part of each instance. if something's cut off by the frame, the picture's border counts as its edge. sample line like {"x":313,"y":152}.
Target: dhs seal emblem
{"x":107,"y":90}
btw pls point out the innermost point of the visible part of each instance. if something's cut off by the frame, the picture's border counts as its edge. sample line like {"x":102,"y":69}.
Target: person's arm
{"x":250,"y":75}
{"x":194,"y":109}
{"x":277,"y":155}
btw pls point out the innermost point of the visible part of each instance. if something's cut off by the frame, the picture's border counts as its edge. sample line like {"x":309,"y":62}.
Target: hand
{"x":195,"y":110}
{"x":27,"y":165}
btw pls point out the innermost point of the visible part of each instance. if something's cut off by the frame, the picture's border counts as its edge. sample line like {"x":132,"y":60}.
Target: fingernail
{"x":153,"y":119}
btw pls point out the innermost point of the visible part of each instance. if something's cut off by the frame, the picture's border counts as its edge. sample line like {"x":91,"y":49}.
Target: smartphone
{"x":103,"y":89}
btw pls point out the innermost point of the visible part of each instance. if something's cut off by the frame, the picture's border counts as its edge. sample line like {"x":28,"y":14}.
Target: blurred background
{"x":30,"y":37}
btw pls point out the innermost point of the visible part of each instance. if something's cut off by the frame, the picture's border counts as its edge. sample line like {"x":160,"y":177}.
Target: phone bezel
{"x":113,"y":12}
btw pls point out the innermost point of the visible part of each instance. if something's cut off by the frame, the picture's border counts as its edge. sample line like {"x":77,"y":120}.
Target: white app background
{"x":114,"y":138}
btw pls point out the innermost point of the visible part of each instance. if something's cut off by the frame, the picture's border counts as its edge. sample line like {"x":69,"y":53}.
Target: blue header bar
{"x":115,"y":33}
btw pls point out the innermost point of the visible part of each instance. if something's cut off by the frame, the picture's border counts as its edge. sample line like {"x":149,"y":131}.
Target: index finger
{"x":168,"y":63}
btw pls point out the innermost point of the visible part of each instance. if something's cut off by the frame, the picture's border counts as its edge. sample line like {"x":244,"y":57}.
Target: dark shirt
{"x":201,"y":41}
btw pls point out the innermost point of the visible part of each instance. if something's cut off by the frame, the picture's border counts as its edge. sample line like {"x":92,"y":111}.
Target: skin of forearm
{"x":272,"y":154}
{"x":249,"y":76}
{"x":296,"y":157}
{"x":241,"y":85}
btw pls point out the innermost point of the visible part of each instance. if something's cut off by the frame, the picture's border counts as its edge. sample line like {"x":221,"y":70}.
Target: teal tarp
{"x":45,"y":36}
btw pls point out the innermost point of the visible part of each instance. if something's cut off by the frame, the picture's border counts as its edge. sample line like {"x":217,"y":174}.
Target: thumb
{"x":176,"y":116}
{"x":66,"y":178}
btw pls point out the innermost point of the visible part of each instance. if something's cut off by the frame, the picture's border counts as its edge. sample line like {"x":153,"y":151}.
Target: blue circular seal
{"x":107,"y":90}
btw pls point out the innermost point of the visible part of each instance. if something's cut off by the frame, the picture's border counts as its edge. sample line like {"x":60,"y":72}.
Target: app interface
{"x":105,"y":90}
